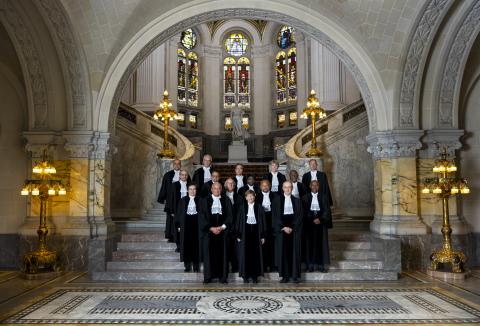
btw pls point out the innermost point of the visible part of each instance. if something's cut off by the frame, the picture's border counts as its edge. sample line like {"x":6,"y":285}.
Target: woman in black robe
{"x":215,"y":224}
{"x":178,"y":190}
{"x":250,"y":233}
{"x":187,"y":220}
{"x":287,"y":213}
{"x":318,"y":219}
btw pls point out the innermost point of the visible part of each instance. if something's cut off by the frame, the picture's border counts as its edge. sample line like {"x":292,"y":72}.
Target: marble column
{"x":262,"y":90}
{"x":431,"y":205}
{"x":212,"y":83}
{"x":302,"y":78}
{"x":150,"y":80}
{"x":395,"y":182}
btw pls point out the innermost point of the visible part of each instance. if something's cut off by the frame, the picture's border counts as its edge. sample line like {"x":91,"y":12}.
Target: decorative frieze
{"x":395,"y":143}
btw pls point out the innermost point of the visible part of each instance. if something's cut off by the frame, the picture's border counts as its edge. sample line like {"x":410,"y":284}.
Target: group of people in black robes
{"x":239,"y":226}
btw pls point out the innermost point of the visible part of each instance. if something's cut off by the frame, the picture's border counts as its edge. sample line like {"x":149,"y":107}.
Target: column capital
{"x":38,"y":141}
{"x":394,"y":143}
{"x":94,"y":145}
{"x":438,"y":139}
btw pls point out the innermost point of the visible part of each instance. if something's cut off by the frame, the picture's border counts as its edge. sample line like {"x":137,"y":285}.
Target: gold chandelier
{"x":312,"y":110}
{"x":43,"y":185}
{"x":445,"y":185}
{"x":165,"y":113}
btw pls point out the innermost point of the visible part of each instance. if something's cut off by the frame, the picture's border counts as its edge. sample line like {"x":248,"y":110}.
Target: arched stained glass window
{"x":243,"y":82}
{"x":188,"y":39}
{"x":285,"y":37}
{"x":281,"y":77}
{"x":236,"y":44}
{"x":187,"y":70}
{"x":181,"y":76}
{"x":192,"y":79}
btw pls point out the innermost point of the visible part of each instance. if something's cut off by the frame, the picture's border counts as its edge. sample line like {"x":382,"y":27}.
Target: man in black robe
{"x":204,"y":173}
{"x":321,"y":177}
{"x":236,"y":200}
{"x":266,"y":198}
{"x":240,"y":179}
{"x":206,"y":189}
{"x":250,"y":235}
{"x":275,"y":178}
{"x":299,"y":189}
{"x":178,"y":190}
{"x":318,"y":219}
{"x":215,"y":224}
{"x":187,"y":220}
{"x":250,"y":185}
{"x":287,"y":212}
{"x":167,"y":180}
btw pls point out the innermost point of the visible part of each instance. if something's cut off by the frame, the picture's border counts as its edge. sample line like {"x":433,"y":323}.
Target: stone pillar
{"x":396,"y":190}
{"x":261,"y":82}
{"x":302,"y":84}
{"x":171,"y":77}
{"x":212,"y":82}
{"x":431,"y":205}
{"x":150,"y":80}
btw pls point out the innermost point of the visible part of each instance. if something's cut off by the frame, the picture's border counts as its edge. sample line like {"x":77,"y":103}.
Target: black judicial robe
{"x":215,"y":260}
{"x":206,"y":189}
{"x":323,"y":180}
{"x":269,"y":245}
{"x":165,"y":187}
{"x":232,"y":241}
{"x":302,"y":190}
{"x":189,"y":231}
{"x":283,"y":241}
{"x":244,"y":189}
{"x":173,"y":199}
{"x":250,"y":246}
{"x":198,"y":177}
{"x":244,"y":178}
{"x":316,"y":246}
{"x":281,"y":180}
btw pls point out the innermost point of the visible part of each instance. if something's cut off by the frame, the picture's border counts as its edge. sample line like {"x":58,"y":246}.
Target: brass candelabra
{"x":43,"y":186}
{"x":312,"y":110}
{"x":445,"y":185}
{"x":165,"y":113}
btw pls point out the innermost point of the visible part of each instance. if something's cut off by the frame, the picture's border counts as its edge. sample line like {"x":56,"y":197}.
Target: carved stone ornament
{"x":396,"y":143}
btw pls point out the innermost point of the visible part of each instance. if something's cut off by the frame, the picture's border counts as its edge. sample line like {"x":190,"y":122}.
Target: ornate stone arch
{"x":29,"y":58}
{"x":458,"y":51}
{"x":73,"y":63}
{"x":107,"y":104}
{"x":422,"y":36}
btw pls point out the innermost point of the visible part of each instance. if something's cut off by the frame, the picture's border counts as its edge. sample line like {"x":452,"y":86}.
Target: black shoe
{"x":187,"y":269}
{"x":310,"y":269}
{"x":245,"y":280}
{"x":177,"y":250}
{"x":207,"y":281}
{"x":223,"y":281}
{"x":255,"y":280}
{"x":196,"y":268}
{"x":322,"y":270}
{"x":296,"y":280}
{"x":285,"y":280}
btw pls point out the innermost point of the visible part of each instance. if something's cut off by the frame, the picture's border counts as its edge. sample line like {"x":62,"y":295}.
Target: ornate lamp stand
{"x":446,"y":186}
{"x":165,"y":113}
{"x":312,"y":110}
{"x":44,"y":186}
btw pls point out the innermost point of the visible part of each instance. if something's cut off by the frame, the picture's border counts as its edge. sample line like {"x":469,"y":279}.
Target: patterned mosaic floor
{"x":247,"y":306}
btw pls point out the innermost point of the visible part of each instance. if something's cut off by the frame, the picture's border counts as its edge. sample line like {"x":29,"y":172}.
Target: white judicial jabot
{"x":217,"y":205}
{"x":275,"y":181}
{"x":266,"y":203}
{"x":295,"y":192}
{"x":176,"y":176}
{"x":183,"y":188}
{"x":315,"y":206}
{"x":239,"y":181}
{"x":251,"y":214}
{"x":288,"y":207}
{"x":192,"y":207}
{"x":207,"y":176}
{"x":230,"y":195}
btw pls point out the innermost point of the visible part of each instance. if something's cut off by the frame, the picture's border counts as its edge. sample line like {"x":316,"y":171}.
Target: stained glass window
{"x":292,"y":75}
{"x":281,"y":77}
{"x":243,"y":82}
{"x":229,"y":81}
{"x":181,"y":119}
{"x":182,"y":76}
{"x":228,"y":122}
{"x":188,"y":39}
{"x":193,"y":121}
{"x":280,"y":120}
{"x":292,"y":118}
{"x":285,"y":37}
{"x":236,"y":44}
{"x":192,"y":79}
{"x":246,"y":121}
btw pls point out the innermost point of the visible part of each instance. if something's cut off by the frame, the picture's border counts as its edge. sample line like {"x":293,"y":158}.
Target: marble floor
{"x":73,"y":299}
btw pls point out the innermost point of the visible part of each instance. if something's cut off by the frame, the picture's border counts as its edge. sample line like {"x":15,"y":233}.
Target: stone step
{"x":180,"y":277}
{"x":348,"y":245}
{"x":143,"y":237}
{"x":161,"y":265}
{"x":129,"y":255}
{"x":142,"y":246}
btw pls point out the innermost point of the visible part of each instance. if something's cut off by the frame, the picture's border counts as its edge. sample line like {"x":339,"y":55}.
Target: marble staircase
{"x":144,"y":255}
